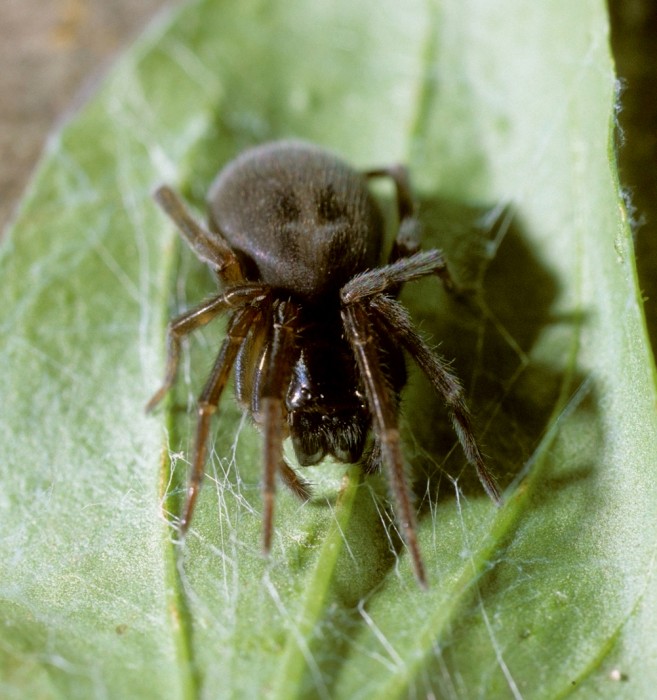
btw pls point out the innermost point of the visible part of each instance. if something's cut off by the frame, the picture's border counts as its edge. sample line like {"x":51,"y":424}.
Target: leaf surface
{"x":505,"y":115}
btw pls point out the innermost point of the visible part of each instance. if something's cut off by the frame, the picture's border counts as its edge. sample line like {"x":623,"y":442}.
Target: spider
{"x":315,"y":335}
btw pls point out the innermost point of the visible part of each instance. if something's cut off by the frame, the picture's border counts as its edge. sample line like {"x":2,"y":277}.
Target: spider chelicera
{"x":315,"y":334}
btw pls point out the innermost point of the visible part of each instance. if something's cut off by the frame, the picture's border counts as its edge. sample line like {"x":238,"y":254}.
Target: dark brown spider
{"x":315,"y":333}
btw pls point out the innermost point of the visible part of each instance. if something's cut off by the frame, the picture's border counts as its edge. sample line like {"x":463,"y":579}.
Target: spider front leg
{"x":278,"y":374}
{"x":398,"y":324}
{"x":198,"y":317}
{"x":389,"y":277}
{"x":366,"y":294}
{"x":209,"y":400}
{"x":381,"y":402}
{"x":409,"y":234}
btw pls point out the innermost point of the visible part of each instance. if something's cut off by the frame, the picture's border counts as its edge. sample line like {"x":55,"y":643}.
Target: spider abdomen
{"x":300,"y":219}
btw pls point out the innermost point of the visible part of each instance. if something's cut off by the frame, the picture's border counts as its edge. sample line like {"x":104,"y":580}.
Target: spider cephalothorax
{"x":315,"y":332}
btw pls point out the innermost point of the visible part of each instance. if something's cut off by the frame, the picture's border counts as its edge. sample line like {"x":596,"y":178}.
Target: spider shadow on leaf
{"x":488,"y":334}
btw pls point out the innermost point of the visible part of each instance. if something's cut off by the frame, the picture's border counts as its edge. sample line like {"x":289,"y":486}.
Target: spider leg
{"x":399,"y":175}
{"x":209,"y":400}
{"x":408,"y":237}
{"x":397,"y":322}
{"x":248,"y":391}
{"x":380,"y":399}
{"x":299,"y":486}
{"x":389,"y":277}
{"x":277,"y":379}
{"x":208,"y":246}
{"x":196,"y":318}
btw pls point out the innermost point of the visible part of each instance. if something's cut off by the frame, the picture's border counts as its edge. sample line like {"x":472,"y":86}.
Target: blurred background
{"x":54,"y":52}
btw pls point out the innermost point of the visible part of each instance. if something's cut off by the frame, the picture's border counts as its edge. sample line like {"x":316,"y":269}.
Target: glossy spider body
{"x":315,"y":334}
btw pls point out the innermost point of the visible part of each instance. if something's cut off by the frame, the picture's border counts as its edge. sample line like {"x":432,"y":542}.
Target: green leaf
{"x":505,"y":114}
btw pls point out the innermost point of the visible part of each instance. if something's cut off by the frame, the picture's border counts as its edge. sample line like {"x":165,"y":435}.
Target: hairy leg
{"x":381,"y":401}
{"x":209,"y":400}
{"x":198,"y":317}
{"x":398,"y":324}
{"x":278,"y":373}
{"x":407,"y":241}
{"x":389,"y":277}
{"x":208,"y":246}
